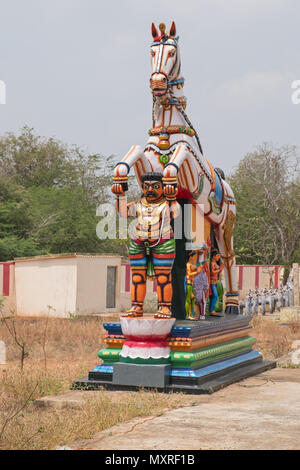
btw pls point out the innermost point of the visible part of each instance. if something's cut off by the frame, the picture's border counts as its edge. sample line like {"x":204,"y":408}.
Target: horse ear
{"x":173,"y":30}
{"x":154,"y":31}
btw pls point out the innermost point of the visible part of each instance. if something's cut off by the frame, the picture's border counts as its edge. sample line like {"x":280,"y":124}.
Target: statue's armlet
{"x":175,"y":209}
{"x":132,"y":209}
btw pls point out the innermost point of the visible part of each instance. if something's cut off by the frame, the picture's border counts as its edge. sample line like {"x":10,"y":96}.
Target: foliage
{"x":15,"y":224}
{"x":266,"y":185}
{"x":49,"y":193}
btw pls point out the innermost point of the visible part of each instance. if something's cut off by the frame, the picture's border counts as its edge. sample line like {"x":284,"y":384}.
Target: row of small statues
{"x":275,"y":298}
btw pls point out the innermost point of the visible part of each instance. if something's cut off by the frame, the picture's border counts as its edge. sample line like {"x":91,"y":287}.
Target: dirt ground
{"x":262,"y":412}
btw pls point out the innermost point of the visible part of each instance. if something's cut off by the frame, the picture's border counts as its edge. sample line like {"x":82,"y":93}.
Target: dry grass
{"x":46,"y":428}
{"x":273,"y":339}
{"x":71,"y":351}
{"x":67,"y":339}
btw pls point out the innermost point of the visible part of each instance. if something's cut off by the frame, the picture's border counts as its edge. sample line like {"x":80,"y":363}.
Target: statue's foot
{"x":216,"y":314}
{"x":135,"y":311}
{"x":163,"y":312}
{"x":194,"y":317}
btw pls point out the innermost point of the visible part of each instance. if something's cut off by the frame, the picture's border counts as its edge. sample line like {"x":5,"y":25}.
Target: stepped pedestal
{"x":188,"y":356}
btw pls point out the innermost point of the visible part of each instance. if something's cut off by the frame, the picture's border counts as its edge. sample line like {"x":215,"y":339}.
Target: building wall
{"x":92,"y":283}
{"x":46,"y":281}
{"x":252,"y":276}
{"x":70,"y":284}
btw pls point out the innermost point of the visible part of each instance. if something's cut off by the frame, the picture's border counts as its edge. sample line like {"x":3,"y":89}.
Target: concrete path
{"x":261,"y":412}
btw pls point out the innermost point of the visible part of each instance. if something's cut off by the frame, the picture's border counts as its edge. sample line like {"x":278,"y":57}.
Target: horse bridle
{"x":162,"y":44}
{"x":171,"y":83}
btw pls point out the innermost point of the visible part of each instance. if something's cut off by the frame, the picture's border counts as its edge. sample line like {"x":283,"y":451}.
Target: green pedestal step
{"x":109,"y":355}
{"x":211,"y":353}
{"x":186,"y":359}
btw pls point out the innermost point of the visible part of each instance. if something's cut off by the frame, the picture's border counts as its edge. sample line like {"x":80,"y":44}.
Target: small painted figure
{"x":249,"y":302}
{"x":271,"y":298}
{"x":152,"y":246}
{"x":197,"y":284}
{"x":215,"y":270}
{"x":255,"y":301}
{"x":263,"y":301}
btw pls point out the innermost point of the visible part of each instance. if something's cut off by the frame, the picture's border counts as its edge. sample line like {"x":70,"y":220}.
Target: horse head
{"x":165,"y":59}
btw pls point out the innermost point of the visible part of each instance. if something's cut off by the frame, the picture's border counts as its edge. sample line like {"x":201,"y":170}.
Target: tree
{"x":30,"y":160}
{"x":14,"y":223}
{"x":266,"y":185}
{"x":48,"y":197}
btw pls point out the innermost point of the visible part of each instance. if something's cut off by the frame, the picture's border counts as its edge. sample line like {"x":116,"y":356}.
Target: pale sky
{"x":79,"y":70}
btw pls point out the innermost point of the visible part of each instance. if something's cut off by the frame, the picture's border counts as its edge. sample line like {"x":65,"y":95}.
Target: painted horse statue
{"x":174,"y":149}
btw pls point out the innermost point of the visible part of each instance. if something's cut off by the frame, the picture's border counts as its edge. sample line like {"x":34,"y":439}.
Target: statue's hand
{"x":118,"y":189}
{"x":120,"y":179}
{"x":170,"y":191}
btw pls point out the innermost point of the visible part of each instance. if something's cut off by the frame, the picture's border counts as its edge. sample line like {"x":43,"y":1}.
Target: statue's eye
{"x":171,"y":53}
{"x":152,"y":52}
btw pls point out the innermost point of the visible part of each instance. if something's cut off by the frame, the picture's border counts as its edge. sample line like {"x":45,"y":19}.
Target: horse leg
{"x":224,"y":238}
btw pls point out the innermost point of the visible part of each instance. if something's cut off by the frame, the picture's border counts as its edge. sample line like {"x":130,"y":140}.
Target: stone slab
{"x":71,"y":399}
{"x":154,"y":376}
{"x":78,"y":398}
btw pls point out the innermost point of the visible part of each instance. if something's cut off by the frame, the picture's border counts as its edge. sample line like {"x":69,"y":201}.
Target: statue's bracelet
{"x":170,"y":180}
{"x":171,"y":198}
{"x":123,"y":180}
